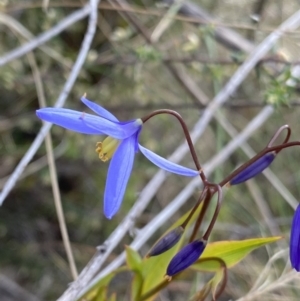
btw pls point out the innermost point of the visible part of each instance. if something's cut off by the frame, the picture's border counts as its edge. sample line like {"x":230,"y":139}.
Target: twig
{"x":227,"y":37}
{"x":85,"y":46}
{"x":263,"y":207}
{"x":12,"y":291}
{"x":52,"y":170}
{"x":166,"y":21}
{"x":133,"y":59}
{"x":38,"y":164}
{"x":180,"y":75}
{"x":18,"y":27}
{"x":264,"y":274}
{"x":274,"y":285}
{"x":46,"y":36}
{"x":153,"y":12}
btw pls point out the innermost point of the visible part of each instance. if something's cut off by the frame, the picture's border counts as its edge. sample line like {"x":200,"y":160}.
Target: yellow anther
{"x":107,"y":148}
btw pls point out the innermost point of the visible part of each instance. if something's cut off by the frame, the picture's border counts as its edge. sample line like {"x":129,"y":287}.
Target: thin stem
{"x":52,"y":171}
{"x":279,"y":131}
{"x":186,"y":134}
{"x":199,"y":220}
{"x":184,"y":224}
{"x":214,"y":218}
{"x":47,"y":35}
{"x":223,"y":285}
{"x":224,"y":267}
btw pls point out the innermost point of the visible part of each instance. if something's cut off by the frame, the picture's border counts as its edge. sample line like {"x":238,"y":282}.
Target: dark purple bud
{"x":254,"y":169}
{"x":166,"y":242}
{"x":295,"y":241}
{"x":186,"y":257}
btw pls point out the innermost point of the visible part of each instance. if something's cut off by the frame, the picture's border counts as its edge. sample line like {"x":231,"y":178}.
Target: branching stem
{"x":186,"y":134}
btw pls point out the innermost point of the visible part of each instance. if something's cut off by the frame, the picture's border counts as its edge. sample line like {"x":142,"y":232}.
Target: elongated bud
{"x":166,"y":242}
{"x":254,"y":169}
{"x":185,"y":257}
{"x":295,"y":241}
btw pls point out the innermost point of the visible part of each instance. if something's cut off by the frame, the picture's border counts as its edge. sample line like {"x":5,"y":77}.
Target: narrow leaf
{"x":100,"y":287}
{"x":231,"y":252}
{"x":133,"y":259}
{"x":136,"y":286}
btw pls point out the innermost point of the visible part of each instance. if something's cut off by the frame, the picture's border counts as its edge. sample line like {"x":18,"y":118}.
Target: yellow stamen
{"x":107,"y":148}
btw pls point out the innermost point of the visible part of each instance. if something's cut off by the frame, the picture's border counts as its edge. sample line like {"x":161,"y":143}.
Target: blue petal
{"x":186,"y":257}
{"x":99,"y":110}
{"x":295,"y":241}
{"x":118,"y":175}
{"x":166,"y":242}
{"x":167,"y":165}
{"x":254,"y":169}
{"x":87,"y":123}
{"x":69,"y":119}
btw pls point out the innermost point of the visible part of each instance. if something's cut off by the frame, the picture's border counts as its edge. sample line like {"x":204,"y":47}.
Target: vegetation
{"x":145,"y":56}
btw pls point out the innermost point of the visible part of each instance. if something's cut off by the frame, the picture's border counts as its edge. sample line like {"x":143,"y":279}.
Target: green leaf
{"x":154,"y":268}
{"x":136,"y":286}
{"x":216,"y":280}
{"x":134,"y":262}
{"x":231,"y":252}
{"x":101,"y":294}
{"x":98,"y":291}
{"x":133,"y":259}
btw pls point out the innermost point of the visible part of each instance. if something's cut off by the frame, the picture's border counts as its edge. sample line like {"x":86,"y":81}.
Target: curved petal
{"x":87,"y":123}
{"x":254,"y":169}
{"x":167,"y":165}
{"x":118,"y":175}
{"x":99,"y":110}
{"x":69,"y":119}
{"x":295,"y":241}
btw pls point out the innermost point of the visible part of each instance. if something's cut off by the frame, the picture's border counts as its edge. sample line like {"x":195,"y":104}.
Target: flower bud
{"x":254,"y":169}
{"x":166,"y":242}
{"x":185,"y":257}
{"x":295,"y":241}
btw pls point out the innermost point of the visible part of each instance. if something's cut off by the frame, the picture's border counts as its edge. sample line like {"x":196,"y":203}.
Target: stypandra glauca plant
{"x":176,"y":251}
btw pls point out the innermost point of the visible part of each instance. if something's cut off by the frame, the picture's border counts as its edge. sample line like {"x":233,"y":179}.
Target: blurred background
{"x":138,"y":64}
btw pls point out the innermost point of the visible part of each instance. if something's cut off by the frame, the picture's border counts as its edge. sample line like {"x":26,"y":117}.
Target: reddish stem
{"x":201,"y":215}
{"x":202,"y":196}
{"x":186,"y":134}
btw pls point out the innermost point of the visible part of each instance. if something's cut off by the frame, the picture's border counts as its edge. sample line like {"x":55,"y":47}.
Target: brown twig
{"x":133,"y":59}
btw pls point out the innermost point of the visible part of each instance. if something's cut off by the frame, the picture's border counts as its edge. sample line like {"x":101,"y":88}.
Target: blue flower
{"x":166,"y":242}
{"x":295,"y":241}
{"x":254,"y":169}
{"x":120,"y":145}
{"x":185,"y":257}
